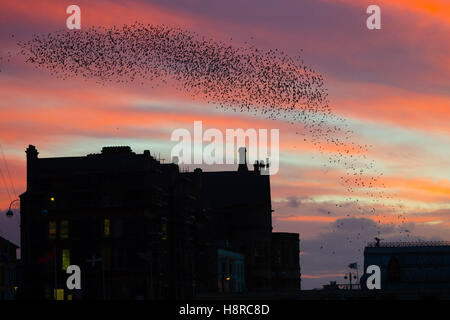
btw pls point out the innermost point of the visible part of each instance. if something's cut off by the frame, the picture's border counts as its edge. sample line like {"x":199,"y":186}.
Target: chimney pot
{"x":242,"y":159}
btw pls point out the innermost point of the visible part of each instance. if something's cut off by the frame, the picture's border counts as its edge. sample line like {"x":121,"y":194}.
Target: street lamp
{"x":10,"y":213}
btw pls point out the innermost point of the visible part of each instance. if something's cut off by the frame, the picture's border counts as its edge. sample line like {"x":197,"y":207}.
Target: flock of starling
{"x":244,"y":78}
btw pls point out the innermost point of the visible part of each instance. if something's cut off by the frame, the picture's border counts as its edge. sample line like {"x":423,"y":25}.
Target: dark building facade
{"x":285,"y":261}
{"x":141,"y":229}
{"x":420,"y":265}
{"x":238,"y":210}
{"x":8,"y":267}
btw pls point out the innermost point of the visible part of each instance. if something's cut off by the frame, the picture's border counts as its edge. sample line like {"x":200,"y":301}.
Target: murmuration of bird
{"x":263,"y":82}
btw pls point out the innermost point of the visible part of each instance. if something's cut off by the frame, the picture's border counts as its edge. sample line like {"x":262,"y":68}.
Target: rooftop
{"x":409,"y":244}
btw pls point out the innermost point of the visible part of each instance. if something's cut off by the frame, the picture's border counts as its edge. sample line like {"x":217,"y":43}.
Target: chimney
{"x":256,"y":166}
{"x":31,"y":152}
{"x":242,"y":159}
{"x":32,"y":156}
{"x":265,"y":167}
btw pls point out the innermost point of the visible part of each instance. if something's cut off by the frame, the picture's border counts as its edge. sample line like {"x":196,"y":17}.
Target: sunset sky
{"x":391,"y":85}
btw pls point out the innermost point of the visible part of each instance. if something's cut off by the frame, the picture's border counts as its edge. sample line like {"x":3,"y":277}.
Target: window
{"x":64,"y":229}
{"x":259,"y":249}
{"x":65,"y":259}
{"x":164,"y":231}
{"x":2,"y":274}
{"x":393,"y":271}
{"x":106,"y":258}
{"x":106,"y":227}
{"x":52,"y":229}
{"x":59,"y":294}
{"x":116,"y":228}
{"x":277,"y":255}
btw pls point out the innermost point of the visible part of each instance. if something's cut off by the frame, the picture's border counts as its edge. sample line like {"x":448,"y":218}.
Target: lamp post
{"x":10,"y":213}
{"x":44,"y":212}
{"x":350,"y":276}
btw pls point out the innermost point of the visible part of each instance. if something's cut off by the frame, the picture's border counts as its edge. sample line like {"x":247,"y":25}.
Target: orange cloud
{"x":320,"y":276}
{"x":435,"y":9}
{"x":100,"y":12}
{"x":395,"y":106}
{"x":380,"y":219}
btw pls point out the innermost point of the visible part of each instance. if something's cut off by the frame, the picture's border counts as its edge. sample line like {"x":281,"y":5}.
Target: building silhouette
{"x":408,"y":271}
{"x":285,"y":266}
{"x":410,"y":265}
{"x":142,"y":229}
{"x":8,"y":267}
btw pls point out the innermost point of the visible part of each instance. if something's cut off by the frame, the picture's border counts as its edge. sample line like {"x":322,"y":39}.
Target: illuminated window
{"x":64,"y":229}
{"x":65,"y":259}
{"x":106,"y":228}
{"x":59,"y":294}
{"x":52,"y":229}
